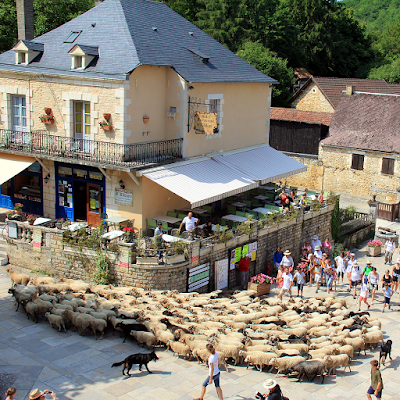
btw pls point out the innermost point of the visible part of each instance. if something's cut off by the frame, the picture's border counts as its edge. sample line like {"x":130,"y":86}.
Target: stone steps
{"x":3,"y":244}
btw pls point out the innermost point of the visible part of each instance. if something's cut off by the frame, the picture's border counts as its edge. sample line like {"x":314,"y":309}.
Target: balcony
{"x":125,"y":157}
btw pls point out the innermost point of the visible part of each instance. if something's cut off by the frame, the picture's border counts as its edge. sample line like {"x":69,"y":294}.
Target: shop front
{"x":80,"y":193}
{"x":25,"y":188}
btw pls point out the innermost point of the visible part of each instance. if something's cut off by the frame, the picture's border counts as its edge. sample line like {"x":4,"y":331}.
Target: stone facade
{"x":312,"y":99}
{"x":42,"y":249}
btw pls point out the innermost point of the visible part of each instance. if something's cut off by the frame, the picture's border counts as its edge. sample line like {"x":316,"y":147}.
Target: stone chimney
{"x":26,"y":29}
{"x":97,"y":2}
{"x":349,"y":90}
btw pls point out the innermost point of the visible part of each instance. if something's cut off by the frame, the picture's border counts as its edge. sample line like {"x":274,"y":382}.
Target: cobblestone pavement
{"x":75,"y":367}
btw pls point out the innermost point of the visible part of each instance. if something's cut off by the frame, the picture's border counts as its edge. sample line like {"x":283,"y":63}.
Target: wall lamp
{"x":190,"y":87}
{"x":46,"y":178}
{"x":121,"y":184}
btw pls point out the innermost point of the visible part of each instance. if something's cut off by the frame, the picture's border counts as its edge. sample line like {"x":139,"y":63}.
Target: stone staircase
{"x":3,"y":244}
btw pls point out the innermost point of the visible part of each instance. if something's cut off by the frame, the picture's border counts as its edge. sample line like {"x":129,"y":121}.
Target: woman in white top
{"x":373,"y":280}
{"x":340,"y":261}
{"x":213,"y":362}
{"x":356,"y":274}
{"x":363,"y":296}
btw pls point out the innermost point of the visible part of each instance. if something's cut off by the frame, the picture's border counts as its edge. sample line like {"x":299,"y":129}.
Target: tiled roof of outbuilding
{"x":308,"y":117}
{"x":366,"y":121}
{"x":130,"y":33}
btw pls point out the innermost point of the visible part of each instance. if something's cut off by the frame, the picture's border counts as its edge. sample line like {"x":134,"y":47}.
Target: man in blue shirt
{"x":278,"y":255}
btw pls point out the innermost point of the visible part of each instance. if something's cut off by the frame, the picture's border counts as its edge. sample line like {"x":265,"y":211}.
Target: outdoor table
{"x":116,"y":220}
{"x":112,"y":235}
{"x":166,"y":218}
{"x":194,"y":210}
{"x":235,"y":218}
{"x":41,"y":220}
{"x":261,"y":197}
{"x":169,"y":238}
{"x":76,"y":225}
{"x":239,"y":204}
{"x":263,"y":210}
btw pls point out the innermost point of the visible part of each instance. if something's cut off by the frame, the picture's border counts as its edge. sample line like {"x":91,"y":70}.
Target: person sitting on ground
{"x":287,"y":284}
{"x":189,"y":221}
{"x":36,"y":394}
{"x":275,"y":392}
{"x":300,"y":280}
{"x":286,"y":206}
{"x":10,"y":393}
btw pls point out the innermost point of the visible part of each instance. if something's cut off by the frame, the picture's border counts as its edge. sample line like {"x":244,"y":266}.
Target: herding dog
{"x":137,"y":358}
{"x":127,"y":328}
{"x":386,"y":349}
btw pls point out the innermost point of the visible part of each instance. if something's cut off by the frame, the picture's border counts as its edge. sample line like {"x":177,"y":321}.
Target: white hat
{"x":35,"y":394}
{"x":269,"y":384}
{"x":287,"y":253}
{"x":317,"y":248}
{"x":370,"y":263}
{"x":309,"y":256}
{"x":352,"y":254}
{"x":315,"y":237}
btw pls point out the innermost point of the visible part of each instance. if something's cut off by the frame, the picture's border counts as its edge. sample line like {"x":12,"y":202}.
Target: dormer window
{"x":26,"y":51}
{"x":82,"y":56}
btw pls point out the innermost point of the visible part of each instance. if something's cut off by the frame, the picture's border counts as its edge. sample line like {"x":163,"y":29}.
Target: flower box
{"x":106,"y":127}
{"x":374,"y":251}
{"x":176,"y":259}
{"x":48,"y":122}
{"x":260,"y":288}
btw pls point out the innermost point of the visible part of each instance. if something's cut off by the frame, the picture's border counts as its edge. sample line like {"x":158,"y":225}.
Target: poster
{"x":253,"y":256}
{"x":195,"y":254}
{"x":123,"y":197}
{"x":221,"y":274}
{"x":205,"y":123}
{"x":124,"y":257}
{"x":198,"y":277}
{"x":37,"y":240}
{"x":245,"y":250}
{"x":232,"y":264}
{"x":238,"y":254}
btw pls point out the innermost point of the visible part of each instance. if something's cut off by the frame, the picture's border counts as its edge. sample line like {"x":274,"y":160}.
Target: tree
{"x":390,"y":72}
{"x":48,"y":15}
{"x":270,"y":64}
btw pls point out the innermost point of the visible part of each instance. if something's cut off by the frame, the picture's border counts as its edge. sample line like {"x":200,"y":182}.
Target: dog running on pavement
{"x":386,"y":349}
{"x":137,"y":358}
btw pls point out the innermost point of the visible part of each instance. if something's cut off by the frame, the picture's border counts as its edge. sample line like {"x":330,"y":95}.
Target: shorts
{"x":363,"y":298}
{"x":355,"y":283}
{"x":215,"y":379}
{"x":387,"y":300}
{"x":395,"y":277}
{"x":372,"y":391}
{"x":300,"y":287}
{"x":317,"y":277}
{"x":348,"y":275}
{"x":373,"y":286}
{"x":283,"y":291}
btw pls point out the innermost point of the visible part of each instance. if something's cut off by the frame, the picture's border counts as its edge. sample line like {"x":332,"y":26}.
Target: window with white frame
{"x":77,"y":62}
{"x":81,"y":120}
{"x":22,"y":57}
{"x":215,"y":105}
{"x":18,"y":113}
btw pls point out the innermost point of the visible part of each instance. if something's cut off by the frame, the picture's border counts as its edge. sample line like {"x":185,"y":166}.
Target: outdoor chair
{"x":151,"y":224}
{"x":172,"y":214}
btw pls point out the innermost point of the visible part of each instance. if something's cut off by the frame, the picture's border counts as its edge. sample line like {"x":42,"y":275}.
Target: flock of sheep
{"x":307,"y":337}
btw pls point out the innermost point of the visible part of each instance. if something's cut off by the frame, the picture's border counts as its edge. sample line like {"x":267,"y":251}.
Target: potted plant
{"x":178,"y":256}
{"x":31,"y":219}
{"x":47,"y":119}
{"x":59,"y":223}
{"x":128,"y":234}
{"x":374,"y":248}
{"x":261,"y":283}
{"x":105,"y":125}
{"x":18,"y":208}
{"x":9,"y":214}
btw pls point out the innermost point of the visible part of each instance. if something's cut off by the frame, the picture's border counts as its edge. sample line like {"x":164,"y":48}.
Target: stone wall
{"x":312,"y":99}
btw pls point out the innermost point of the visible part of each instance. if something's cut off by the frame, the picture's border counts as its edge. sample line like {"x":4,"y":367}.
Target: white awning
{"x":11,"y":165}
{"x":262,"y":163}
{"x":201,"y":182}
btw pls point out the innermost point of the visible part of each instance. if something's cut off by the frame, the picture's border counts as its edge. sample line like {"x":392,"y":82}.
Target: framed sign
{"x":123,"y":197}
{"x":12,"y":230}
{"x":37,"y":240}
{"x":198,"y":277}
{"x":221,"y":273}
{"x":205,"y":123}
{"x":195,"y":254}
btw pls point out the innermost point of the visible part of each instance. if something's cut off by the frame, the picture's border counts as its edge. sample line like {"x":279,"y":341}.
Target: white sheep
{"x":56,"y":320}
{"x":98,"y":325}
{"x":372,"y":338}
{"x":230,"y":351}
{"x":284,"y":363}
{"x":335,"y":361}
{"x":346,"y":349}
{"x":179,"y":348}
{"x":147,"y":338}
{"x":21,"y":279}
{"x":257,"y":358}
{"x":162,"y":336}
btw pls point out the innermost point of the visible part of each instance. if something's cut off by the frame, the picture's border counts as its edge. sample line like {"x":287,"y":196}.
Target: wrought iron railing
{"x":44,"y":145}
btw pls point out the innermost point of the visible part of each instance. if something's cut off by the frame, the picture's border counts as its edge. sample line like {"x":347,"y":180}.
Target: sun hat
{"x":315,"y":237}
{"x":352,"y":254}
{"x":35,"y":394}
{"x":317,"y":248}
{"x":269,"y":384}
{"x":287,"y":252}
{"x":309,"y":256}
{"x":370,"y":263}
{"x":354,"y":264}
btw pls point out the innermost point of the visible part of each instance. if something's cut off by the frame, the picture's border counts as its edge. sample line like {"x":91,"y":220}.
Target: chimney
{"x":26,"y":29}
{"x":97,"y":2}
{"x":349,"y":90}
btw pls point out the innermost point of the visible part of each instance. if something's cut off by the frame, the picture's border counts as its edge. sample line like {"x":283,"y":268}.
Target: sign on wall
{"x":37,"y":240}
{"x":195,"y":254}
{"x":221,"y":274}
{"x":124,"y":257}
{"x":205,"y":123}
{"x":123,"y":197}
{"x":198,"y":277}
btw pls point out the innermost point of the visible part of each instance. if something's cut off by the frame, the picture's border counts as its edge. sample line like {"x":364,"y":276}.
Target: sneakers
{"x":359,"y":309}
{"x":369,"y":307}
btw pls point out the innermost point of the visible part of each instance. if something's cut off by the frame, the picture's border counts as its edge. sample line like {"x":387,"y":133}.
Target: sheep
{"x":78,"y":320}
{"x":194,"y":343}
{"x":147,"y":338}
{"x":284,"y":363}
{"x":309,"y":368}
{"x":287,"y":352}
{"x":179,"y":348}
{"x":356,"y":343}
{"x":257,"y":358}
{"x":372,"y":338}
{"x":31,"y":309}
{"x":21,"y":279}
{"x":315,"y":346}
{"x":98,"y":324}
{"x":162,"y":336}
{"x":335,"y":361}
{"x":56,"y":320}
{"x":302,"y":348}
{"x":21,"y":295}
{"x":346,"y":349}
{"x":84,"y":310}
{"x":295,"y":331}
{"x":63,"y":306}
{"x":99,"y":315}
{"x":230,"y":351}
{"x":47,"y":297}
{"x":203,"y":354}
{"x":43,"y":306}
{"x":42,"y":280}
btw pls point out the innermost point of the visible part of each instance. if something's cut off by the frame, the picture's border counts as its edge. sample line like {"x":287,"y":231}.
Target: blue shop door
{"x":65,"y":205}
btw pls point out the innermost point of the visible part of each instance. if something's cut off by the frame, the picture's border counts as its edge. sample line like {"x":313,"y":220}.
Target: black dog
{"x":137,"y":358}
{"x":386,"y":349}
{"x":127,"y":328}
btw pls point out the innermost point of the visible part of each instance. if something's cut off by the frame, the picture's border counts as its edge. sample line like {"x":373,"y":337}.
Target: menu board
{"x":124,"y":257}
{"x":65,"y":194}
{"x":37,"y":240}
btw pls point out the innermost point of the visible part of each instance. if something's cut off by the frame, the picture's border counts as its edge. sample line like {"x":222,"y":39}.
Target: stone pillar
{"x":373,"y":206}
{"x":26,"y":29}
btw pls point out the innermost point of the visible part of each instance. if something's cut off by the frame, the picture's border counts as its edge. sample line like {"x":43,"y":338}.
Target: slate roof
{"x":89,"y":50}
{"x":333,"y":88}
{"x":367,"y":122}
{"x":123,"y":31}
{"x":33,"y":45}
{"x":308,"y":117}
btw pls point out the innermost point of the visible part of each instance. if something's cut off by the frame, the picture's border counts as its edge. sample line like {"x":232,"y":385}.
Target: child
{"x":363,"y":296}
{"x":387,"y":291}
{"x":317,"y":276}
{"x":300,"y":280}
{"x":11,"y":393}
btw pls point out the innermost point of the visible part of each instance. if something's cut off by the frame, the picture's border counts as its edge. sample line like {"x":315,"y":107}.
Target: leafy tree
{"x":47,"y":16}
{"x":270,"y":64}
{"x":389,"y":72}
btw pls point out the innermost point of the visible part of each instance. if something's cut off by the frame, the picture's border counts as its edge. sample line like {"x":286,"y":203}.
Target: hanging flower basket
{"x":106,"y":126}
{"x":47,"y":119}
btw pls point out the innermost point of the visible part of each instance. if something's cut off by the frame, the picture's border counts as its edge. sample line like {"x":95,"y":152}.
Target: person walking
{"x":363,"y":296}
{"x":278,"y":255}
{"x":330,"y":276}
{"x":279,"y":276}
{"x":275,"y":392}
{"x":340,"y":261}
{"x":36,"y":394}
{"x":311,"y":267}
{"x":327,"y":246}
{"x":356,"y":275}
{"x":213,"y":375}
{"x":315,"y":242}
{"x":158,"y":233}
{"x":243,"y":266}
{"x":10,"y":393}
{"x":300,"y":280}
{"x":390,"y":246}
{"x":387,"y":279}
{"x":396,"y":275}
{"x":287,"y":284}
{"x":350,"y":262}
{"x":387,"y":292}
{"x":287,"y":260}
{"x":376,"y":381}
{"x":367,"y":271}
{"x":317,"y":276}
{"x":373,"y":279}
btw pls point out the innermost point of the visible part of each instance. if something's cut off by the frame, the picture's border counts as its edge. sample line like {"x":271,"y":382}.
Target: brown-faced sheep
{"x":21,"y":279}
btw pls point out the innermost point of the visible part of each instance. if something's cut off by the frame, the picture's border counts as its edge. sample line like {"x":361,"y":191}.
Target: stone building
{"x":88,"y":108}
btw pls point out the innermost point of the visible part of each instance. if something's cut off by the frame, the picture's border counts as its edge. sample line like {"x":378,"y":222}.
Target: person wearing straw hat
{"x":366,"y":271}
{"x":36,"y":394}
{"x":315,"y":242}
{"x":287,"y":260}
{"x":275,"y":392}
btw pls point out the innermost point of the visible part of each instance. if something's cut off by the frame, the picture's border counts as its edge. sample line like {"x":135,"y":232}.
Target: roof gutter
{"x":358,"y":149}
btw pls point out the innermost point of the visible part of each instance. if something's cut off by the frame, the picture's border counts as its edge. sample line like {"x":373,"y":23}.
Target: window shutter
{"x":385,"y":165}
{"x":354,"y":162}
{"x":360,"y":162}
